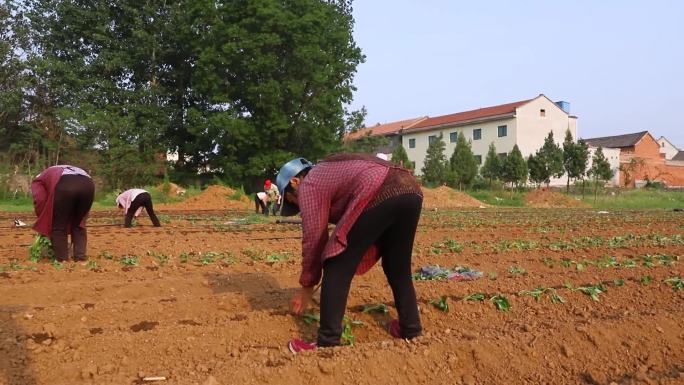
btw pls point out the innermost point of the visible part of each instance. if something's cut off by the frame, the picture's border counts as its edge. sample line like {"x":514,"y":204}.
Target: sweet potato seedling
{"x":348,"y":330}
{"x":534,"y":293}
{"x":676,"y":282}
{"x":517,"y":270}
{"x":375,"y":308}
{"x":41,"y":248}
{"x":475,"y":297}
{"x":646,"y":280}
{"x":129,"y":260}
{"x":501,"y":302}
{"x":310,"y":318}
{"x":91,"y":265}
{"x":619,"y":282}
{"x":441,"y":303}
{"x":592,"y":291}
{"x":106,"y":255}
{"x":57,"y":264}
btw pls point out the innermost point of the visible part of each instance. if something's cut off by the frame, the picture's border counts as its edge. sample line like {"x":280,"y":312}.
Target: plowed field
{"x":204,"y":300}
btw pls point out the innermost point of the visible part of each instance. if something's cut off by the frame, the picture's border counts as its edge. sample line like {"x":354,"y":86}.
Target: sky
{"x":620,"y":64}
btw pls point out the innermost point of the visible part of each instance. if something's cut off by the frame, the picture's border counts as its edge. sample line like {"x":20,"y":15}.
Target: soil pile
{"x":544,"y":198}
{"x":174,"y":190}
{"x":214,"y":197}
{"x":445,"y":198}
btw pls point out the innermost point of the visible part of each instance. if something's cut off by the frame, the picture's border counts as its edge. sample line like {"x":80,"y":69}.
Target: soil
{"x":543,"y":198}
{"x":446,"y":198}
{"x":213,"y":197}
{"x":173,"y":189}
{"x":206,"y":305}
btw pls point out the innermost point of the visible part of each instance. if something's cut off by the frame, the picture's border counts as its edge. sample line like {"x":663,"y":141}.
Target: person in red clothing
{"x":375,"y":206}
{"x":62,"y":197}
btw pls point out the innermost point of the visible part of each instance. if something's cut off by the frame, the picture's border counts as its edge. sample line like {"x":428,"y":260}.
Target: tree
{"x":536,"y":170}
{"x":550,"y":156}
{"x":491,"y":169}
{"x":600,"y":169}
{"x":514,"y":168}
{"x":368,"y":143}
{"x":400,"y":157}
{"x":575,"y":158}
{"x":462,"y":164}
{"x":435,"y":165}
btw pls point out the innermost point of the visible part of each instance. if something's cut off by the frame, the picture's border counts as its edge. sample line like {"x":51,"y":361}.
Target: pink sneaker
{"x":394,"y":329}
{"x":296,"y":346}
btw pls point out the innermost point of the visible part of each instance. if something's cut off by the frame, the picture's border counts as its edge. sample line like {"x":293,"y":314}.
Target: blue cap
{"x":287,"y":172}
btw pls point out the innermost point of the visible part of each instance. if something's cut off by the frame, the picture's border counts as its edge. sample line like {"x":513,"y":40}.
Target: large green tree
{"x":550,"y":159}
{"x":400,"y":157}
{"x":491,"y":169}
{"x":514,"y":168}
{"x":462,"y":164}
{"x":231,"y":87}
{"x":575,"y":158}
{"x":435,"y":165}
{"x":600,"y":170}
{"x":536,"y":170}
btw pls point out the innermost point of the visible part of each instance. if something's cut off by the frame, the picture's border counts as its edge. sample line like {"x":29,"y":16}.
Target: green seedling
{"x":277,"y":257}
{"x":607,"y":261}
{"x":629,"y":264}
{"x":535,"y":293}
{"x":549,"y":262}
{"x":348,"y":330}
{"x":162,"y":259}
{"x":228,"y":259}
{"x":474,"y":297}
{"x":517,"y":270}
{"x":592,"y":291}
{"x":310,"y":318}
{"x":676,"y":282}
{"x":207,"y":258}
{"x":254,"y":255}
{"x":41,"y":248}
{"x":555,"y":297}
{"x":667,"y":260}
{"x":106,"y":255}
{"x":567,"y":262}
{"x":647,"y":260}
{"x":493,"y":276}
{"x":441,"y":303}
{"x":129,"y":260}
{"x":184,"y":257}
{"x":375,"y":308}
{"x":57,"y":264}
{"x":619,"y":282}
{"x":501,"y":302}
{"x":646,"y":280}
{"x":91,"y":265}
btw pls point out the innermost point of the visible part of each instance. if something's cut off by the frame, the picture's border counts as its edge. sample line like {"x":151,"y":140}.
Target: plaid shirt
{"x":335,"y":192}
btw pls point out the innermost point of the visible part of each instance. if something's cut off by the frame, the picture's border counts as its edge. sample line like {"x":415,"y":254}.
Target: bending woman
{"x":132,"y":202}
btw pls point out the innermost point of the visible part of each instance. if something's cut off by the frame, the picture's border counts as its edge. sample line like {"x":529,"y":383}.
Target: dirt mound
{"x":174,"y":190}
{"x":545,"y":198}
{"x":445,"y":198}
{"x":214,"y":197}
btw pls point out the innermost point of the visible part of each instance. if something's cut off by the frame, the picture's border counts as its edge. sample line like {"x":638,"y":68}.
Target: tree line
{"x":462,"y":169}
{"x":233,"y":89}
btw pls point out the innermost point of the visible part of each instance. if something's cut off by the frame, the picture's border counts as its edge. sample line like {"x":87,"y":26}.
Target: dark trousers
{"x":73,"y":198}
{"x":141,"y":200}
{"x":392,"y":226}
{"x":258,"y":203}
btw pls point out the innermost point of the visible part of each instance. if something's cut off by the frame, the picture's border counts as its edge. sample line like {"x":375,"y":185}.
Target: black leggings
{"x":392,"y":226}
{"x":73,"y":198}
{"x":259,"y":203}
{"x":141,"y":200}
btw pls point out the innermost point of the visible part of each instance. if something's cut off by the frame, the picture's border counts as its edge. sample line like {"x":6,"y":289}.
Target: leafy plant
{"x":619,"y":282}
{"x":474,"y":297}
{"x":535,"y":293}
{"x":129,"y":260}
{"x":592,"y":291}
{"x":493,"y":276}
{"x":184,"y":257}
{"x":57,"y":264}
{"x":41,"y":248}
{"x":348,"y":330}
{"x":441,"y":303}
{"x":501,"y":302}
{"x":646,"y":280}
{"x":517,"y":270}
{"x":91,"y":265}
{"x":676,"y":282}
{"x":277,"y":257}
{"x":548,"y":261}
{"x":310,"y":318}
{"x":375,"y":308}
{"x":162,"y":259}
{"x":106,"y":255}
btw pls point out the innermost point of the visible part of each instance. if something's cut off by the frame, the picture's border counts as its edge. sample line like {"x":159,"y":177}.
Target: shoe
{"x":19,"y":223}
{"x":394,"y":329}
{"x":297,"y":346}
{"x":80,"y":258}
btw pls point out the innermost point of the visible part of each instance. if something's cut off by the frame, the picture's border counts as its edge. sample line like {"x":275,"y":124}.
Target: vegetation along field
{"x":204,"y":300}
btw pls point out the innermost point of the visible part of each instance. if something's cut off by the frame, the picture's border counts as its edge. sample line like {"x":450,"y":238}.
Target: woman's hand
{"x":300,"y":301}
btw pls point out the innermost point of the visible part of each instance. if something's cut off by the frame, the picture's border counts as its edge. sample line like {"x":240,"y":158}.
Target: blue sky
{"x":620,"y":64}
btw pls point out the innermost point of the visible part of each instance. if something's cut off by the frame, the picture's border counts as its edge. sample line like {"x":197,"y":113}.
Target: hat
{"x":267,"y":184}
{"x":287,"y":172}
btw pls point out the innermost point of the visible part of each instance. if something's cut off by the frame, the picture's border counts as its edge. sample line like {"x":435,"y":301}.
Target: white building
{"x":613,"y":157}
{"x":667,"y":148}
{"x":525,"y":123}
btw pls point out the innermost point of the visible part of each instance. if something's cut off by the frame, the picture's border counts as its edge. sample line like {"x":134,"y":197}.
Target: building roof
{"x":385,"y":129}
{"x":467,"y":116}
{"x":670,"y":143}
{"x":679,"y":156}
{"x":618,"y":141}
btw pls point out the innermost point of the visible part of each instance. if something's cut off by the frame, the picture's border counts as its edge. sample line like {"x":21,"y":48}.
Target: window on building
{"x":503,"y":131}
{"x":478,"y":159}
{"x":477,"y":134}
{"x":542,"y":112}
{"x":412,"y":143}
{"x":502,"y":155}
{"x":432,"y":139}
{"x":453,"y":136}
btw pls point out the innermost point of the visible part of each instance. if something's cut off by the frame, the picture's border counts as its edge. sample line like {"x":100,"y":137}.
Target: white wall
{"x":667,"y":148}
{"x":613,"y":157}
{"x":480,"y":147}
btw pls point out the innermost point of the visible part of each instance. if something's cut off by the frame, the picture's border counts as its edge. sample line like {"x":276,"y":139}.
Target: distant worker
{"x":261,"y":201}
{"x":375,"y":206}
{"x":62,"y":197}
{"x":273,"y":196}
{"x":132,"y":202}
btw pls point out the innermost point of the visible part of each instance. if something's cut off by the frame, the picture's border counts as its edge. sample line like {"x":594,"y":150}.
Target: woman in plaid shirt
{"x":375,"y":206}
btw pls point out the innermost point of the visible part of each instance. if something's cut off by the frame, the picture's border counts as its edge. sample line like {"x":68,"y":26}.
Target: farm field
{"x":567,"y":296}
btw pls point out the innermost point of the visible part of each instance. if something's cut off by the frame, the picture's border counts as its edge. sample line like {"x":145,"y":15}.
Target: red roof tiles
{"x":385,"y":129}
{"x":466,"y":116}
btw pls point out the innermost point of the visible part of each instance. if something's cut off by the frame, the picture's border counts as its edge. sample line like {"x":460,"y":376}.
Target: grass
{"x":499,"y":198}
{"x":636,"y":199}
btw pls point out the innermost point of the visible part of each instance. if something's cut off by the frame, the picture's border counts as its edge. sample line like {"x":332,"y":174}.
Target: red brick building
{"x":641,"y":160}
